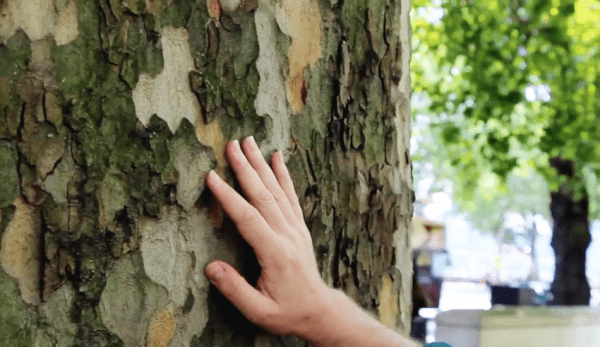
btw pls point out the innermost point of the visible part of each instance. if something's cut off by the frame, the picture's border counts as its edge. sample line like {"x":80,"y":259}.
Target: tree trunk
{"x":570,"y":240}
{"x":111,"y":115}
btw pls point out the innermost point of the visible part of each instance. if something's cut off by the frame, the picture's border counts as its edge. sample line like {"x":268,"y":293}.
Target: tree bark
{"x":570,"y":240}
{"x":113,"y":112}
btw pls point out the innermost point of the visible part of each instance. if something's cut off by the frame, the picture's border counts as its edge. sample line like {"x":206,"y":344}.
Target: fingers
{"x":257,"y":161}
{"x":260,"y":197}
{"x":255,"y":306}
{"x":285,"y":181}
{"x":253,"y":228}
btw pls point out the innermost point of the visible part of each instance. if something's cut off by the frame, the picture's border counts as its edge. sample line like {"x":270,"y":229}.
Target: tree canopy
{"x":509,"y":85}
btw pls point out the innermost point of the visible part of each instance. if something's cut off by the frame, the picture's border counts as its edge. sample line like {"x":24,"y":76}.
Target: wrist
{"x":316,"y":327}
{"x":343,"y":323}
{"x":336,"y":321}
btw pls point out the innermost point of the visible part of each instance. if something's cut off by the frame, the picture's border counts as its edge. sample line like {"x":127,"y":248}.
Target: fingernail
{"x":215,"y":271}
{"x":252,"y":141}
{"x":213,"y":175}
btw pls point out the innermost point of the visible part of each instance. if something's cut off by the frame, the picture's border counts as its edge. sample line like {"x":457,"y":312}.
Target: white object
{"x":520,"y":326}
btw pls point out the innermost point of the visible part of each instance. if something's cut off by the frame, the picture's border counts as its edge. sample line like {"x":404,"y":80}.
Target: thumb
{"x":255,"y":306}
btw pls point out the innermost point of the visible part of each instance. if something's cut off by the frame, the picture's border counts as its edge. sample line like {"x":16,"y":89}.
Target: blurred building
{"x":429,"y":261}
{"x":430,"y":257}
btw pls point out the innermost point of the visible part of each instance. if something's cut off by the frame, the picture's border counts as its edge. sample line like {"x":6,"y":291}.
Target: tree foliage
{"x":511,"y":84}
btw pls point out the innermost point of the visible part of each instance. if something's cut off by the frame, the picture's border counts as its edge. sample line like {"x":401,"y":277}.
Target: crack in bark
{"x":57,"y":162}
{"x":310,"y":166}
{"x":335,"y":271}
{"x":387,"y":49}
{"x":104,"y":5}
{"x":355,"y":264}
{"x":42,"y":258}
{"x":43,"y":101}
{"x":368,"y":229}
{"x":19,"y":155}
{"x":312,"y":212}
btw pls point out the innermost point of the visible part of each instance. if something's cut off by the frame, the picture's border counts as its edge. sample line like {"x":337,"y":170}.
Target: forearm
{"x":343,"y":323}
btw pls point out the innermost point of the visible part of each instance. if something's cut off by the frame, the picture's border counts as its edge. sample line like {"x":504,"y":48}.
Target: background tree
{"x":490,"y":204}
{"x":112,"y":113}
{"x":514,"y":85}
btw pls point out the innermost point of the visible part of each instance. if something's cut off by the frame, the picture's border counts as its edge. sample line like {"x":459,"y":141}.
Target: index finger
{"x":251,"y":225}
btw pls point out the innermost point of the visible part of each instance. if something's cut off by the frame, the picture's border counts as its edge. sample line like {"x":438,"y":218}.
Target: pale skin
{"x":290,"y":297}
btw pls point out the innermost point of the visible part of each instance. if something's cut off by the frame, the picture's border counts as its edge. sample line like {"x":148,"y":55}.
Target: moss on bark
{"x":9,"y":176}
{"x":16,"y":318}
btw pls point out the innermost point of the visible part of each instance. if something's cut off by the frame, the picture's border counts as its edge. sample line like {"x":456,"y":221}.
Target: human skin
{"x":290,"y":298}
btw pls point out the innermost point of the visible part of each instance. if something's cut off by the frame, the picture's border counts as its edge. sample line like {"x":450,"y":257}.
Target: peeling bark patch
{"x":300,"y":19}
{"x":129,"y":300}
{"x":212,"y":136}
{"x":53,"y":109}
{"x":192,"y":164}
{"x":38,"y":19}
{"x":35,"y":17}
{"x":112,"y":197}
{"x":230,"y":5}
{"x":167,"y":247}
{"x":388,"y":303}
{"x":56,"y":182}
{"x":271,"y":99}
{"x":296,"y":92}
{"x":39,"y":78}
{"x":162,"y":327}
{"x":49,"y":157}
{"x":165,"y":260}
{"x":41,"y":62}
{"x":43,"y":145}
{"x":61,"y":330}
{"x":168,"y":95}
{"x":67,"y":21}
{"x":20,"y":253}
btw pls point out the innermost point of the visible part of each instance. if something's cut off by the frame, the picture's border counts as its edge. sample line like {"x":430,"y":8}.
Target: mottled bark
{"x":111,"y":115}
{"x":570,"y":240}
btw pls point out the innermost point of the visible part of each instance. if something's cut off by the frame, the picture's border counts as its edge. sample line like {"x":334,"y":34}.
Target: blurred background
{"x":506,"y":149}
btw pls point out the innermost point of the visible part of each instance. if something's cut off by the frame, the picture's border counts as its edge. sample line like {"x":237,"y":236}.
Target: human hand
{"x":290,"y":295}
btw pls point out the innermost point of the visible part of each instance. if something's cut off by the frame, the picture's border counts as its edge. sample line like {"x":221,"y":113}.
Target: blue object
{"x":437,"y":344}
